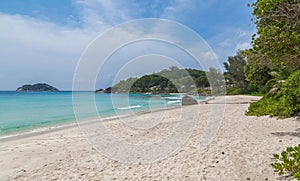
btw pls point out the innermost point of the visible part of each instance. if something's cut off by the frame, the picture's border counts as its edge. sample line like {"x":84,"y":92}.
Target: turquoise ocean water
{"x":29,"y":110}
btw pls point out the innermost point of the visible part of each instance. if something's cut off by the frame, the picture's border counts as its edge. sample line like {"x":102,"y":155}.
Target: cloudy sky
{"x":43,"y":41}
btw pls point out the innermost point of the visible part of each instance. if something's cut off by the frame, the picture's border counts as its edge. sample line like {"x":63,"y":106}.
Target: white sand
{"x":241,"y":150}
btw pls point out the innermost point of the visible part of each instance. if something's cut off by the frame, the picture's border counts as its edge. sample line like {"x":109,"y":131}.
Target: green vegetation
{"x":284,"y":103}
{"x":216,"y":80}
{"x":151,"y":83}
{"x":125,"y":85}
{"x":235,"y":76}
{"x":288,"y":162}
{"x":273,"y":66}
{"x":170,"y":80}
{"x":235,"y":70}
{"x":273,"y":62}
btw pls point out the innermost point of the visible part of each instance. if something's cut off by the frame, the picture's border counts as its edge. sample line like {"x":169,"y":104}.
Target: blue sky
{"x":42,"y":41}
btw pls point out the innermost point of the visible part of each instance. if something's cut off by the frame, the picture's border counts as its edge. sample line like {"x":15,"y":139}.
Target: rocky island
{"x":107,"y":90}
{"x":37,"y":88}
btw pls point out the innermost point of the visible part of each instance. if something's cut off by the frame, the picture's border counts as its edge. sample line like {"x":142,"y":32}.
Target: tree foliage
{"x":216,"y":80}
{"x":235,"y":76}
{"x":125,"y":85}
{"x":275,"y":57}
{"x":285,"y":103}
{"x":276,"y":46}
{"x":235,"y":70}
{"x":170,"y":80}
{"x":277,"y":43}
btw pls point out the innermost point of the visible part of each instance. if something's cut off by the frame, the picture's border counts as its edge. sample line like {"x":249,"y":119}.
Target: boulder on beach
{"x":188,"y":100}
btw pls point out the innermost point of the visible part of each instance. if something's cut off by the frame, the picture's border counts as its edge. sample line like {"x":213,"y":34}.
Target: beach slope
{"x":241,"y":149}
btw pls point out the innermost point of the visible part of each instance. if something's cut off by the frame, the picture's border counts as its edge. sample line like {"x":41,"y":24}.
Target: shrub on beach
{"x":273,"y":60}
{"x":288,"y":162}
{"x":284,"y":103}
{"x":233,"y":91}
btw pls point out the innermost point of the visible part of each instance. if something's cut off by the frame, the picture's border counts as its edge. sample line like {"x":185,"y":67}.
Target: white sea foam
{"x":129,"y":107}
{"x":172,"y":98}
{"x":173,"y":102}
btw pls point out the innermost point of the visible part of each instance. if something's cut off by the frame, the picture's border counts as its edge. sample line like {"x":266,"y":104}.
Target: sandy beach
{"x":240,"y":148}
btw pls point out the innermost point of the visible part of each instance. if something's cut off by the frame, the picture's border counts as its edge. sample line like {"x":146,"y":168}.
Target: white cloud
{"x":33,"y":50}
{"x":163,"y":35}
{"x":102,"y":14}
{"x":227,"y":43}
{"x":182,"y":9}
{"x":242,"y":46}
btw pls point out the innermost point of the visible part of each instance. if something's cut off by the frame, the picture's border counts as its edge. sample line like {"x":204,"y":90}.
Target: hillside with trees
{"x":172,"y":80}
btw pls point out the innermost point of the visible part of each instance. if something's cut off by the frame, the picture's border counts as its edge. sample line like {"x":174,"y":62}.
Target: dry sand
{"x":241,"y":149}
